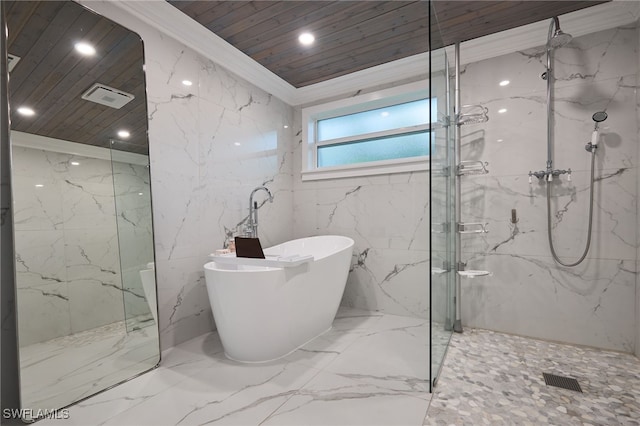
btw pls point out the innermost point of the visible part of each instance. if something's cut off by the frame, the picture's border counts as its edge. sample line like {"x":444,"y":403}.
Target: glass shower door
{"x":442,"y":195}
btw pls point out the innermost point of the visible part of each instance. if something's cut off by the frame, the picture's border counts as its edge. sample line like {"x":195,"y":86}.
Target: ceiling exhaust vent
{"x":12,"y":61}
{"x":108,"y":96}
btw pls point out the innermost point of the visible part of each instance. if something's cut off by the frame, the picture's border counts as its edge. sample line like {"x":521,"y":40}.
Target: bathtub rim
{"x":249,"y":269}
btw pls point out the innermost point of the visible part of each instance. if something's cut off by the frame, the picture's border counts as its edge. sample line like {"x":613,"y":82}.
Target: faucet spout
{"x":253,"y":211}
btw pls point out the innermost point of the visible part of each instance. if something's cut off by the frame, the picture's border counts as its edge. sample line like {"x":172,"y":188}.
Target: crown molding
{"x":398,"y":70}
{"x":585,"y":21}
{"x":171,"y":21}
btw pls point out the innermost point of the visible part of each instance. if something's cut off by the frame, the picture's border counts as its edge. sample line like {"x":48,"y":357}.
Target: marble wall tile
{"x":589,"y":58}
{"x":490,"y":199}
{"x":94,"y":277}
{"x":211,"y":145}
{"x":201,"y":179}
{"x":183,"y":303}
{"x":387,"y":216}
{"x":37,"y":208}
{"x":515,"y":142}
{"x":529,"y":293}
{"x":40,"y":258}
{"x":66,"y":237}
{"x":592,"y":304}
{"x":46,"y":315}
{"x":135,"y":235}
{"x":389,"y":281}
{"x":94,"y":302}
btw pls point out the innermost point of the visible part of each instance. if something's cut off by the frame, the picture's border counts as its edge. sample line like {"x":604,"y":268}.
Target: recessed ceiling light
{"x":236,"y":143}
{"x":286,"y":127}
{"x":306,"y":39}
{"x":504,"y":82}
{"x":75,"y":163}
{"x":123,"y":134}
{"x":502,"y":110}
{"x":85,"y":48}
{"x":140,"y":193}
{"x":26,"y":111}
{"x":39,"y":185}
{"x":499,"y":140}
{"x":187,"y":82}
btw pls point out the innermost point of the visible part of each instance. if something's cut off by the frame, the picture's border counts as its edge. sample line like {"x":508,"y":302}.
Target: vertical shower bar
{"x":457,"y":325}
{"x":449,"y":259}
{"x":549,"y":116}
{"x":9,"y":390}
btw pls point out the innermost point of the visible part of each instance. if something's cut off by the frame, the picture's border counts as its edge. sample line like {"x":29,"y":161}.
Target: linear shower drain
{"x":561,"y":382}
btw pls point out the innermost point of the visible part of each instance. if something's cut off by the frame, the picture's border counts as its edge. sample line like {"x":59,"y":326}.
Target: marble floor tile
{"x":66,"y":369}
{"x":196,"y":384}
{"x":393,"y":354}
{"x":335,"y":399}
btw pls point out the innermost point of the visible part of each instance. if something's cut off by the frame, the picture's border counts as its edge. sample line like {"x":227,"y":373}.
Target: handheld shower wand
{"x":598,"y":117}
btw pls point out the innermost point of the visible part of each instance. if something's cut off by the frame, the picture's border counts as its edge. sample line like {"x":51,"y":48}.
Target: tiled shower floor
{"x":371,"y":369}
{"x":496,"y":379}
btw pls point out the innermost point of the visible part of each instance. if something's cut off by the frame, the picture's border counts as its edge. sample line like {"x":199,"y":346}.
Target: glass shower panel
{"x":442,"y":215}
{"x":135,"y":236}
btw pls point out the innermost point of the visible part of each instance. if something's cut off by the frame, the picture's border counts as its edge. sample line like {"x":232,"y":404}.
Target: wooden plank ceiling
{"x":354,"y":35}
{"x":51,"y":76}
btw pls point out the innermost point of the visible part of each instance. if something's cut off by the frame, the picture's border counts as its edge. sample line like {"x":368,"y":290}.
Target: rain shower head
{"x":599,"y":116}
{"x":559,"y":39}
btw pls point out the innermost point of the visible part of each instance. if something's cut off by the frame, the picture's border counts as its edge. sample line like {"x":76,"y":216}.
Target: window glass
{"x":389,"y":148}
{"x":375,"y":120}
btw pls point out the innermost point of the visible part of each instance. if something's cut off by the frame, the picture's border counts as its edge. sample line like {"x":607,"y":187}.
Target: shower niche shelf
{"x":472,"y":228}
{"x":472,"y":167}
{"x":474,"y":273}
{"x":473,"y":114}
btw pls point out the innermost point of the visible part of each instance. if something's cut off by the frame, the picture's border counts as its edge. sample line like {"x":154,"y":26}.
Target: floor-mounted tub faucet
{"x":252,"y":225}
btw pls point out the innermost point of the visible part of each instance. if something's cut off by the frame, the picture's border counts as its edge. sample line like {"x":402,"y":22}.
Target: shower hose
{"x":586,"y":249}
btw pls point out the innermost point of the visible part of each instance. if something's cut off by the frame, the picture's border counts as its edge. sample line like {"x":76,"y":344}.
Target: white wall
{"x":200,"y":178}
{"x":529,"y":294}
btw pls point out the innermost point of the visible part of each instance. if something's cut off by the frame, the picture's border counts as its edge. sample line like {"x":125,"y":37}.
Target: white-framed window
{"x":376,"y":133}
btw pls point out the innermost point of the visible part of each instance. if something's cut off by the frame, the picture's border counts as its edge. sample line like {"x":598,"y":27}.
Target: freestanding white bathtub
{"x":264,"y":313}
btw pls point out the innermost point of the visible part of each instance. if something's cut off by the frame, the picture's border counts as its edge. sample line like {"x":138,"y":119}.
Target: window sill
{"x":367,"y":169}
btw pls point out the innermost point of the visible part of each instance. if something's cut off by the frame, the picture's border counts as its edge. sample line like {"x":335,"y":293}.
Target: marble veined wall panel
{"x":67,"y":263}
{"x":529,"y":293}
